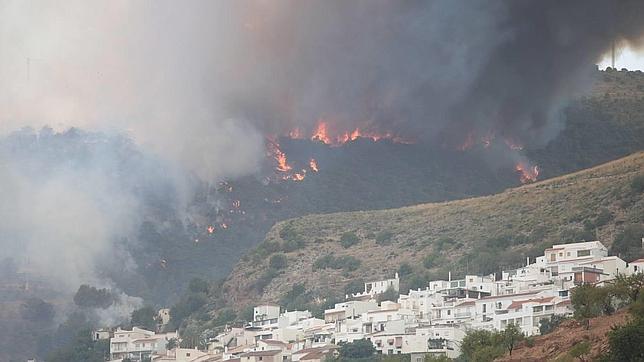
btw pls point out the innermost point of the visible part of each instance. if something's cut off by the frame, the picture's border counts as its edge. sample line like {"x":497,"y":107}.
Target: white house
{"x":138,"y":343}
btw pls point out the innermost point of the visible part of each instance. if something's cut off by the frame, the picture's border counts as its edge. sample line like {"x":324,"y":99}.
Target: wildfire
{"x":313,"y":165}
{"x":527,"y":173}
{"x":321,"y":133}
{"x":283,"y":167}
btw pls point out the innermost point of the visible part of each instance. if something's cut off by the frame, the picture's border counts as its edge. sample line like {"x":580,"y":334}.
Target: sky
{"x":625,"y":58}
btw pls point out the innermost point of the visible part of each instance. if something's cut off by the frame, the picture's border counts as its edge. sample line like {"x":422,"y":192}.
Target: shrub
{"x":329,"y":261}
{"x":277,"y":261}
{"x":637,"y":184}
{"x":384,"y":238}
{"x":349,"y":239}
{"x":265,"y":279}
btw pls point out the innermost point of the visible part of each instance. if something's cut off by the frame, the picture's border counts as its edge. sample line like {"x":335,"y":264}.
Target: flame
{"x":321,"y":133}
{"x":298,"y":176}
{"x":527,"y":174}
{"x":314,"y":165}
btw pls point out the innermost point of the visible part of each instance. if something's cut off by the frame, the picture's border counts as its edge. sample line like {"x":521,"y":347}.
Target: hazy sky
{"x":626,"y":58}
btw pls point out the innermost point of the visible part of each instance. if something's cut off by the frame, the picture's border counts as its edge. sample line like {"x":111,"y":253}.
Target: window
{"x":188,"y":354}
{"x":583,"y":253}
{"x":449,"y":312}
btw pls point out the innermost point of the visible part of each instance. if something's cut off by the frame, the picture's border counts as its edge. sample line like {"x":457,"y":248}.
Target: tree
{"x":511,"y":336}
{"x":482,"y":345}
{"x":145,"y":318}
{"x":349,"y":239}
{"x":277,"y":261}
{"x":360,"y":348}
{"x":37,"y":310}
{"x":390,"y":294}
{"x":90,"y":297}
{"x":586,"y":303}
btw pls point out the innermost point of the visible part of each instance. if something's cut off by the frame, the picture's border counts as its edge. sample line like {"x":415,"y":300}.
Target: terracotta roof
{"x":314,"y":355}
{"x":519,"y":303}
{"x":271,"y":352}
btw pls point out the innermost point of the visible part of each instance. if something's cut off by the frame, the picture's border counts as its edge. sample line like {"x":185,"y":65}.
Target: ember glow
{"x":314,"y":165}
{"x":527,"y":174}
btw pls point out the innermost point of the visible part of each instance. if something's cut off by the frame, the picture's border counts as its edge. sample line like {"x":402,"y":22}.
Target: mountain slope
{"x":479,"y":235}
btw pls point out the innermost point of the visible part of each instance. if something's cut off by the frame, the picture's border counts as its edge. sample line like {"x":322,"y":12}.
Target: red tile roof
{"x":518,"y":303}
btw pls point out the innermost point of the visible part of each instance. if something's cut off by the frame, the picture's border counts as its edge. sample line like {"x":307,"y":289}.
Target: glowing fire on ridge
{"x":314,"y":165}
{"x":323,"y":134}
{"x":527,"y":174}
{"x":283,"y":166}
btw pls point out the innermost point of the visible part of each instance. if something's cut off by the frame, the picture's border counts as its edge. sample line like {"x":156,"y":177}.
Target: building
{"x":138,"y":343}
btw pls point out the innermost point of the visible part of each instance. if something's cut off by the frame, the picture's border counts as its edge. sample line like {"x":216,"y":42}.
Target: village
{"x":430,"y":321}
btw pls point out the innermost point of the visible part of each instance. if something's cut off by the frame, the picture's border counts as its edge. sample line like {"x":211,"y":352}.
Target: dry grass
{"x":540,"y":213}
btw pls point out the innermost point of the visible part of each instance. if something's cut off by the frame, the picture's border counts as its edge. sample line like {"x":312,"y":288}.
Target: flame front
{"x":527,"y":174}
{"x":322,"y":133}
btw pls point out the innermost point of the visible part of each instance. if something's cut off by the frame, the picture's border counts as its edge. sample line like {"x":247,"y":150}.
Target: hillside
{"x":478,"y":235}
{"x":605,"y":124}
{"x":555,"y":346}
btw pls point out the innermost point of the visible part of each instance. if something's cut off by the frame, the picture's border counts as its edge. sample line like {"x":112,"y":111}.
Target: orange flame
{"x":527,"y":174}
{"x":314,"y":165}
{"x":323,"y":134}
{"x":320,"y":133}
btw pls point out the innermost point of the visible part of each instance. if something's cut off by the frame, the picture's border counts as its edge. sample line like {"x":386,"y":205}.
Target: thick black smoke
{"x":425,"y":69}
